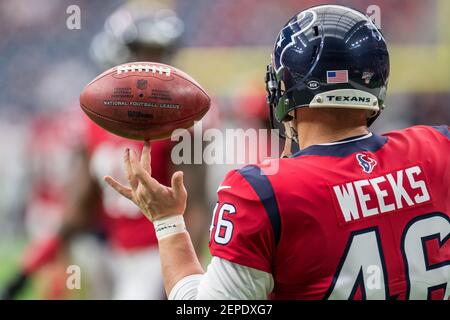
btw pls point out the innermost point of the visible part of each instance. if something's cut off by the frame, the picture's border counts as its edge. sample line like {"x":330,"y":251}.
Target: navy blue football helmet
{"x":327,"y":56}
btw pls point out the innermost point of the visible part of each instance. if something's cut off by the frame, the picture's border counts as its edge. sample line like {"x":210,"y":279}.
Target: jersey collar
{"x":343,"y":148}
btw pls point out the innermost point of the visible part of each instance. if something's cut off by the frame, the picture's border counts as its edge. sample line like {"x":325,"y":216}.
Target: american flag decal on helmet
{"x":337,"y":76}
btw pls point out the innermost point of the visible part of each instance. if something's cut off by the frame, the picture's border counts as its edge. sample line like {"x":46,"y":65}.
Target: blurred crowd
{"x":44,"y":67}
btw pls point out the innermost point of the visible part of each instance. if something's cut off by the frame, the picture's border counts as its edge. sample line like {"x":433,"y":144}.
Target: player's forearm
{"x":178,"y":259}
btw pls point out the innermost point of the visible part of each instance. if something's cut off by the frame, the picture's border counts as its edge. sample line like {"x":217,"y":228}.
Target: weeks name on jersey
{"x":383,"y":194}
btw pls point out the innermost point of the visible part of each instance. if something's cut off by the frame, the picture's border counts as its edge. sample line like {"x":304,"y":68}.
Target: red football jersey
{"x":51,"y":147}
{"x":363,"y":218}
{"x":125,"y":226}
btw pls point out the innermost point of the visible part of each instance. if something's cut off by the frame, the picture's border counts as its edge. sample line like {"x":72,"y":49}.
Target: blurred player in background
{"x":50,"y":136}
{"x":135,"y":32}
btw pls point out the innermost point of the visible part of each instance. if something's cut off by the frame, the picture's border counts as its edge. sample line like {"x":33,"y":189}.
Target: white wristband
{"x":168,"y":226}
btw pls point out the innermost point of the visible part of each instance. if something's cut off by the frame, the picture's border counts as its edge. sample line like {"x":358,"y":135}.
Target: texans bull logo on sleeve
{"x":366,"y":162}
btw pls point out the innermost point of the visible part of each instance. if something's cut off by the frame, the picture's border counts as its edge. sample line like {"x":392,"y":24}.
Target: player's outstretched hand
{"x":154,"y":199}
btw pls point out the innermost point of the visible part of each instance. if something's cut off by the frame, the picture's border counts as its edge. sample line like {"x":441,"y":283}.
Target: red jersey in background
{"x":125,"y":226}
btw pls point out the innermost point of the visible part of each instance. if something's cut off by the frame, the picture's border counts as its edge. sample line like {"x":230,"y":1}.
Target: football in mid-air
{"x":144,"y":100}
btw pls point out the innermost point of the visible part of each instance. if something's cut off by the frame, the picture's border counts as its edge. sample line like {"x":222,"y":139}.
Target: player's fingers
{"x":146,"y":157}
{"x":129,"y":169}
{"x":150,"y":183}
{"x":178,"y":183}
{"x":143,"y":176}
{"x":120,"y":188}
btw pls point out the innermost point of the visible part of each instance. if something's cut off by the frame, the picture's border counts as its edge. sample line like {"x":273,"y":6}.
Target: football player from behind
{"x":352,"y":215}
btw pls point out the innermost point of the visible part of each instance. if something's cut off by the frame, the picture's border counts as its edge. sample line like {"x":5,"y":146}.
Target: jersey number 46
{"x":363,"y":265}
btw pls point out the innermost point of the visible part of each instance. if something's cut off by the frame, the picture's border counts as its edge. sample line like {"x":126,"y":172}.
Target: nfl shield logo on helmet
{"x":367,"y":163}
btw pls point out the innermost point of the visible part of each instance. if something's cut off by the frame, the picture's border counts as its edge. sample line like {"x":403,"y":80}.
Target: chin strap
{"x":291,"y":135}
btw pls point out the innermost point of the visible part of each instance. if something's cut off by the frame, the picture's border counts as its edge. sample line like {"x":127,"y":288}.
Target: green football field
{"x":9,"y":258}
{"x":10,"y":253}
